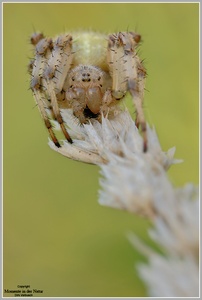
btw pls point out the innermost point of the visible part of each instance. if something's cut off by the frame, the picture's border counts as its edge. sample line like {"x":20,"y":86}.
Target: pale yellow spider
{"x":88,"y":72}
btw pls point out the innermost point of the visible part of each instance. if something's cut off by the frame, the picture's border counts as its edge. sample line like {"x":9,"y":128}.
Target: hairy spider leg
{"x":36,"y":68}
{"x":128,"y":73}
{"x":55,"y":74}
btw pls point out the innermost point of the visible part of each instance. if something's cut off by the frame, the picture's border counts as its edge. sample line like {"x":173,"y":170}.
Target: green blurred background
{"x":56,"y":236}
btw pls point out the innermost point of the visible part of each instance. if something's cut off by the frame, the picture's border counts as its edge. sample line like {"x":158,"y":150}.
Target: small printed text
{"x":24,"y":291}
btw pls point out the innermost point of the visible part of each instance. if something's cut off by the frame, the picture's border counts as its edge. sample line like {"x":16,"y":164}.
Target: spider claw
{"x":69,"y":139}
{"x":145,"y":148}
{"x":57,"y":144}
{"x":66,"y":134}
{"x":137,"y":124}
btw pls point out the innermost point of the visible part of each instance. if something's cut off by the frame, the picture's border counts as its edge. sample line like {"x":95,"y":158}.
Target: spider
{"x":88,"y":72}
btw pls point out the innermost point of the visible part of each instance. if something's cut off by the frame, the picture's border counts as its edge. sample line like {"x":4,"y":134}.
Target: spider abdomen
{"x":90,"y":48}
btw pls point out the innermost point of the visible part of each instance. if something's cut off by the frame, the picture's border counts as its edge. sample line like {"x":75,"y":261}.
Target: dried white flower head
{"x":171,"y":276}
{"x":174,"y":274}
{"x":95,"y":142}
{"x":137,"y":182}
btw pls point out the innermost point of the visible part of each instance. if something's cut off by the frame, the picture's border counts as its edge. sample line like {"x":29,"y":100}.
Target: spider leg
{"x":36,"y":68}
{"x":37,"y":95}
{"x":55,"y":74}
{"x":128,"y":73}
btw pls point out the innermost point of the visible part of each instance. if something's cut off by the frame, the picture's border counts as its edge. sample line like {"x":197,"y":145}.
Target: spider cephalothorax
{"x":88,"y":72}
